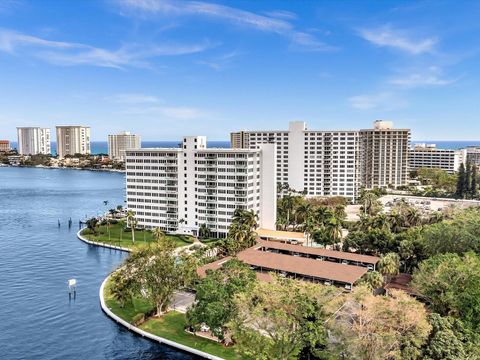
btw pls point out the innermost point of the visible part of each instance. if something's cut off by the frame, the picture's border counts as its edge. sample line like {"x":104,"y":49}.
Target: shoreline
{"x":62,"y":168}
{"x":100,"y":244}
{"x":146,"y":334}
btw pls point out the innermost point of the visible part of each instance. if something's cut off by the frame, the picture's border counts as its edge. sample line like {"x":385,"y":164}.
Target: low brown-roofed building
{"x":355,"y":259}
{"x":301,"y":267}
{"x":292,"y":265}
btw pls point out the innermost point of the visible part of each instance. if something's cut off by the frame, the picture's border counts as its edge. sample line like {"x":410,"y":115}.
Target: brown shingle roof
{"x":303,"y":266}
{"x":342,"y":255}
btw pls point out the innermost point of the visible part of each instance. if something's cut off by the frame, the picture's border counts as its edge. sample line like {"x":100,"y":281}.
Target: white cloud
{"x":274,"y":24}
{"x":385,"y":101}
{"x":429,"y":77}
{"x":134,"y":99}
{"x":165,"y":111}
{"x":398,"y":39}
{"x":69,"y":53}
{"x":220,"y":62}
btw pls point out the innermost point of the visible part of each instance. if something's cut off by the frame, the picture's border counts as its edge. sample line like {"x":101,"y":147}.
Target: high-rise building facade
{"x":117,"y":144}
{"x":5,"y":145}
{"x":73,"y":140}
{"x":180,"y":189}
{"x":424,"y":156}
{"x":324,"y":163}
{"x":383,"y":156}
{"x":33,"y":140}
{"x":473,"y":155}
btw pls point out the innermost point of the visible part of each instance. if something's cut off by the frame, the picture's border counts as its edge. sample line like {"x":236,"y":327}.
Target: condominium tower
{"x":429,"y":156}
{"x":331,"y":163}
{"x":117,"y":144}
{"x":383,"y":156}
{"x":5,"y":145}
{"x":180,"y":189}
{"x":73,"y":140}
{"x":33,"y":140}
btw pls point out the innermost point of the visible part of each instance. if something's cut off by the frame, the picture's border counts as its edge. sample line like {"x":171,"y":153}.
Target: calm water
{"x":37,"y":320}
{"x":101,"y":147}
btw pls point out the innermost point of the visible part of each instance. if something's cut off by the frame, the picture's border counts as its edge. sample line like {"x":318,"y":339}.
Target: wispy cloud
{"x":7,"y":6}
{"x":386,"y":36}
{"x":220,"y":62}
{"x":167,"y":112}
{"x":431,"y":76}
{"x":70,"y":53}
{"x":134,"y":99}
{"x":385,"y":101}
{"x":273,"y":24}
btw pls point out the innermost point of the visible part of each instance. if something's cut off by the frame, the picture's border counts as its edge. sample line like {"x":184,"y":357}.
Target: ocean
{"x":101,"y":147}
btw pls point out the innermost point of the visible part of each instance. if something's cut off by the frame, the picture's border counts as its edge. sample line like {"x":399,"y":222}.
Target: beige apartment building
{"x":73,"y":140}
{"x":119,"y":143}
{"x":384,"y":155}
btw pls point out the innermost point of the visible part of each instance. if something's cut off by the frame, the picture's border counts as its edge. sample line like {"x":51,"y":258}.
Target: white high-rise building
{"x":33,"y":140}
{"x":326,"y":163}
{"x":117,"y":144}
{"x":425,"y":156}
{"x":73,"y":140}
{"x":322,"y":163}
{"x":180,"y":189}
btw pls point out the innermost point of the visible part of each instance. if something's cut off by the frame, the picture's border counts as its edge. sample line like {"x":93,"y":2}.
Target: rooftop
{"x":342,"y":255}
{"x":281,"y":235}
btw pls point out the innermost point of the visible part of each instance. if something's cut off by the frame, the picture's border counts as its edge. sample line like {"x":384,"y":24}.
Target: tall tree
{"x":154,"y":273}
{"x":452,"y":286}
{"x":379,"y":327}
{"x":461,"y":181}
{"x":215,"y":294}
{"x":473,"y":183}
{"x":132,"y":222}
{"x":278,"y":320}
{"x":389,"y":265}
{"x":467,"y":178}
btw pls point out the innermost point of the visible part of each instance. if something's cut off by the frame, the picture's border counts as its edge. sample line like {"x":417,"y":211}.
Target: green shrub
{"x":138,"y":319}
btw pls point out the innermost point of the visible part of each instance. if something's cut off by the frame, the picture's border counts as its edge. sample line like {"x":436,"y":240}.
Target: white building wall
{"x":73,"y":140}
{"x":117,"y":144}
{"x":268,"y":189}
{"x":209,"y":185}
{"x":33,"y":140}
{"x":296,"y":147}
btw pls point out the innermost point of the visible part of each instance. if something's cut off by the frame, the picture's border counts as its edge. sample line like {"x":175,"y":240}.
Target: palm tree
{"x":389,"y":265}
{"x":203,"y":231}
{"x":334,"y":229}
{"x":132,"y":222}
{"x":413,"y":216}
{"x":373,"y":279}
{"x":369,"y":202}
{"x":158,"y":234}
{"x":381,"y":221}
{"x":322,"y":215}
{"x":304,"y":211}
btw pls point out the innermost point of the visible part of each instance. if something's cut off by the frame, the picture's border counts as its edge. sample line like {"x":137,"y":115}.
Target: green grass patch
{"x":119,"y":237}
{"x":170,"y":326}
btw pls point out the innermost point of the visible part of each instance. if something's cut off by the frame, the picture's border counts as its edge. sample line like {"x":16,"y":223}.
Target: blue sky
{"x":169,"y":68}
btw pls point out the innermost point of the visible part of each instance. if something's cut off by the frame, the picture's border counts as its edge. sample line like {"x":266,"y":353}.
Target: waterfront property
{"x":337,"y":162}
{"x":182,"y":189}
{"x":303,"y":263}
{"x":33,"y":141}
{"x":5,"y":145}
{"x":117,"y":235}
{"x":73,"y":140}
{"x":429,"y":156}
{"x":170,"y":326}
{"x":118,"y":143}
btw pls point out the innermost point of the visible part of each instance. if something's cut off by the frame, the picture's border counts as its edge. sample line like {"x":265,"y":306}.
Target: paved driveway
{"x":182,"y":301}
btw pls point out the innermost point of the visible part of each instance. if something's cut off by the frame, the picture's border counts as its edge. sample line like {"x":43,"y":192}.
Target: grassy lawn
{"x":170,"y":326}
{"x":119,"y":237}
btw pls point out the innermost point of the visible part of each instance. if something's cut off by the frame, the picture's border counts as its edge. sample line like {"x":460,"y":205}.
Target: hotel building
{"x":33,"y":141}
{"x":117,"y":144}
{"x":473,"y":155}
{"x":334,"y":163}
{"x":73,"y":140}
{"x":179,"y":189}
{"x":383,"y":156}
{"x":5,"y":145}
{"x":428,"y":156}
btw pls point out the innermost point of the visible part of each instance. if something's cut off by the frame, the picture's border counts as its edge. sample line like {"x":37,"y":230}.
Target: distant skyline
{"x":166,"y":68}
